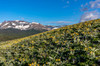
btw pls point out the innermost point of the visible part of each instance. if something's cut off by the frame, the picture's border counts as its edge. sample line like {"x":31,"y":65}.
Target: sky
{"x":50,"y":12}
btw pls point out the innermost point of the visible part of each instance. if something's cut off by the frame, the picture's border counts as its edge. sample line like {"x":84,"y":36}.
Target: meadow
{"x":73,"y":45}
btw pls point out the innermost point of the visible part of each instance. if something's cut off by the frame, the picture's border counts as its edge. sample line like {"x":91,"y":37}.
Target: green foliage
{"x":77,"y":44}
{"x":9,"y":34}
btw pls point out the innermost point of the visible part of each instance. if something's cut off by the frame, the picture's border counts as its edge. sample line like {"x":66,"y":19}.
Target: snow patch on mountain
{"x":13,"y":24}
{"x":17,"y":20}
{"x":22,"y":22}
{"x":35,"y":23}
{"x":23,"y":25}
{"x":9,"y":27}
{"x":5,"y":24}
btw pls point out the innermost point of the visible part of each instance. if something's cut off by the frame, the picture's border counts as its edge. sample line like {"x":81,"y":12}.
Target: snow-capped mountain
{"x":54,"y":27}
{"x":22,"y":25}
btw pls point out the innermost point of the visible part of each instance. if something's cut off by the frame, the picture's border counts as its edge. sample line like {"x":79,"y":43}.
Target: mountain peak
{"x":17,"y":20}
{"x":22,"y":25}
{"x":35,"y":23}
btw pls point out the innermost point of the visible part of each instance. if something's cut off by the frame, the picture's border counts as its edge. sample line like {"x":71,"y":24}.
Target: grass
{"x":77,"y":44}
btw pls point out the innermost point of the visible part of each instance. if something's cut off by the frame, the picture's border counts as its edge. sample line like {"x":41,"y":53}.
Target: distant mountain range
{"x":23,"y":25}
{"x":17,"y":29}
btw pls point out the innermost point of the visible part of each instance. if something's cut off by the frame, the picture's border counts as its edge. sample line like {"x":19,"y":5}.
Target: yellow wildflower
{"x":34,"y":65}
{"x":58,"y":60}
{"x":77,"y":34}
{"x":23,"y":59}
{"x":32,"y":46}
{"x":29,"y":64}
{"x":90,"y":47}
{"x":32,"y":42}
{"x":91,"y":52}
{"x":34,"y":62}
{"x":38,"y":65}
{"x":56,"y":41}
{"x":86,"y":49}
{"x":87,"y":28}
{"x":95,"y":29}
{"x":22,"y":45}
{"x":43,"y":64}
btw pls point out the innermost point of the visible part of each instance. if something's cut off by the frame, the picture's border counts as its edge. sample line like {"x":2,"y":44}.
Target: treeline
{"x":9,"y":34}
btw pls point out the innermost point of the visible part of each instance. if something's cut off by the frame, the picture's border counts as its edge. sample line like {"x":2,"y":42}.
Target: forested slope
{"x":10,"y":34}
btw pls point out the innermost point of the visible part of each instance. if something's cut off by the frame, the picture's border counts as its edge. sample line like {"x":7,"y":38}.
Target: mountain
{"x":22,"y":25}
{"x":17,"y":29}
{"x":54,"y":27}
{"x":73,"y":45}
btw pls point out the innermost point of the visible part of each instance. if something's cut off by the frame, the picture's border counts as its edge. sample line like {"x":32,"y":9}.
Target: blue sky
{"x":48,"y":12}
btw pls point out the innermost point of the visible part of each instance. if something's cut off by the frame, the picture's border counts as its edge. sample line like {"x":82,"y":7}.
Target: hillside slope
{"x":10,"y":34}
{"x":77,"y":44}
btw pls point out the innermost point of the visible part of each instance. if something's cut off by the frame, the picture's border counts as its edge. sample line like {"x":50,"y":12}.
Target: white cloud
{"x":95,"y":4}
{"x":61,"y":22}
{"x":89,"y":16}
{"x":91,"y":5}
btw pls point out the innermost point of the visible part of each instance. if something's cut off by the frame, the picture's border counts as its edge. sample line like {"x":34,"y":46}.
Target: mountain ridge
{"x":23,"y":25}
